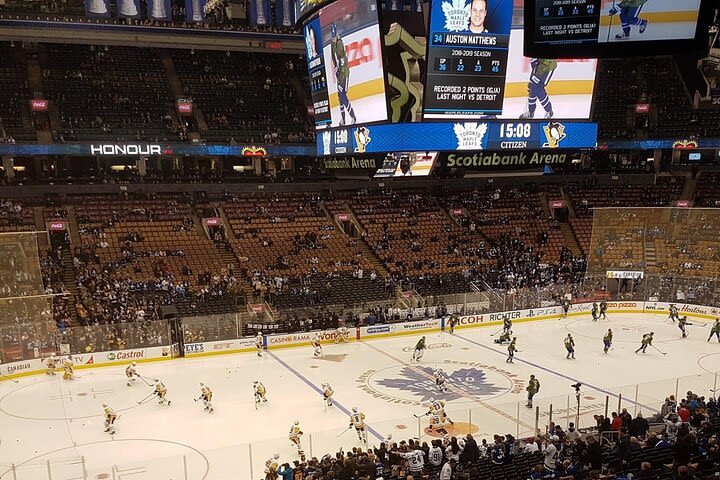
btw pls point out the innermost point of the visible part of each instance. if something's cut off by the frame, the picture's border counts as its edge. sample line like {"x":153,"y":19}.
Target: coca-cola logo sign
{"x":57,"y":225}
{"x":38,"y":105}
{"x":343,"y":217}
{"x":212,"y":222}
{"x":557,"y":204}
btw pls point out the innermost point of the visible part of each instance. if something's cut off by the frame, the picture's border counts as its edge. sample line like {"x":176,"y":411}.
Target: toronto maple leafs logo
{"x":470,"y":135}
{"x":457,"y":15}
{"x":419,"y":381}
{"x":326,"y":142}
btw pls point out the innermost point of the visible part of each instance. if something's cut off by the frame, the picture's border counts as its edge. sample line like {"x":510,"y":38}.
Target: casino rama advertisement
{"x":457,"y":136}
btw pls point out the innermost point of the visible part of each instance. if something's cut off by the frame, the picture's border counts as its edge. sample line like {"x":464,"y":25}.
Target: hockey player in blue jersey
{"x":629,"y":17}
{"x":342,"y":73}
{"x":542,"y":71}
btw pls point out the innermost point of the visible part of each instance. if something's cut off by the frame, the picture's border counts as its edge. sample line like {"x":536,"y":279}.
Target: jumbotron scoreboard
{"x":467,"y":58}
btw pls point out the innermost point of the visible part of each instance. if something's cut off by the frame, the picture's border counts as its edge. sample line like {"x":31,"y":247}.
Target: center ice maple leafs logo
{"x":462,"y":383}
{"x":457,"y":15}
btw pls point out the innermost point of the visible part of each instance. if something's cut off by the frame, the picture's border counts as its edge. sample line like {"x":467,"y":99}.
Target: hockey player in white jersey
{"x":327,"y":394}
{"x":342,"y":335}
{"x":259,"y":343}
{"x":110,"y":417}
{"x":259,"y":392}
{"x":294,"y":436}
{"x":51,"y":364}
{"x":161,"y":392}
{"x":357,"y":420}
{"x":206,"y":396}
{"x":131,"y":373}
{"x":317,"y":348}
{"x":440,"y":380}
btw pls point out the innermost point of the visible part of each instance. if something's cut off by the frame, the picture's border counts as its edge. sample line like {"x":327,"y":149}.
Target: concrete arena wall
{"x":244,"y":345}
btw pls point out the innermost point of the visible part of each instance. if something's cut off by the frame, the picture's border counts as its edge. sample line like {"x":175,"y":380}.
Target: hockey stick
{"x":656,"y":348}
{"x":11,"y":379}
{"x":340,"y":434}
{"x":145,"y":381}
{"x":421,"y":416}
{"x":145,"y":399}
{"x":493,"y":334}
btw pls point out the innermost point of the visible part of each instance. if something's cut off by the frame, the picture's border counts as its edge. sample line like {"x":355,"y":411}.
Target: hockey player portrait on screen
{"x":639,"y":20}
{"x":352,"y":54}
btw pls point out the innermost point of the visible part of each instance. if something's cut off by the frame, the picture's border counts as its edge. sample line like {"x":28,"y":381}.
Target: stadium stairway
{"x":233,"y":257}
{"x":368,"y":252}
{"x":570,"y":239}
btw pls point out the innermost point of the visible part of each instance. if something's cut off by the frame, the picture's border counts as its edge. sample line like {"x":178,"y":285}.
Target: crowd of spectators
{"x":678,"y":443}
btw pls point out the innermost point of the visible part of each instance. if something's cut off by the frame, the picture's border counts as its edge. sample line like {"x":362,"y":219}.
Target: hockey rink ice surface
{"x":51,"y":428}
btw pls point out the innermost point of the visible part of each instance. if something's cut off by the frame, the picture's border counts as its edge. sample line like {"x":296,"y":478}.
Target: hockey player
{"x":161,"y":392}
{"x":259,"y":392}
{"x":607,"y":340}
{"x":206,"y":396}
{"x":110,"y":417}
{"x":566,"y":307}
{"x":507,"y":324}
{"x":629,"y":17}
{"x":342,"y":335}
{"x":437,"y":407}
{"x":327,"y":394}
{"x":51,"y":364}
{"x":452,"y":322}
{"x":294,"y":436}
{"x":532,"y":388}
{"x":259,"y":343}
{"x":715,"y":330}
{"x":682,"y":322}
{"x":511,"y":350}
{"x":540,"y":76}
{"x":357,"y":420}
{"x":595,"y":311}
{"x":504,"y":337}
{"x":603,"y":309}
{"x":271,"y":467}
{"x":131,"y":373}
{"x":440,"y":380}
{"x":317,"y":348}
{"x":570,"y":346}
{"x":646,"y":341}
{"x":69,"y":368}
{"x":341,"y":68}
{"x":673,"y":313}
{"x":419,"y":350}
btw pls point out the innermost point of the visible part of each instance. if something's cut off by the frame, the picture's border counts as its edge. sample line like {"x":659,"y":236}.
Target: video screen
{"x":344,"y":40}
{"x":468,"y":45}
{"x":642,"y":20}
{"x":407,"y":164}
{"x":544,"y":88}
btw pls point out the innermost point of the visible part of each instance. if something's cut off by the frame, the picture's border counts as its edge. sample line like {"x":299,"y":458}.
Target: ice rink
{"x":51,"y":428}
{"x":661,"y":31}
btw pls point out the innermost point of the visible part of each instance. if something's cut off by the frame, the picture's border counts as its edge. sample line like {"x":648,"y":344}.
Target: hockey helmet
{"x":354,"y":409}
{"x":104,"y":405}
{"x":134,"y":364}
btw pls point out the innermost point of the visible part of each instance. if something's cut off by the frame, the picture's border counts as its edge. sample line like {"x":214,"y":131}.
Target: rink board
{"x":244,"y":345}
